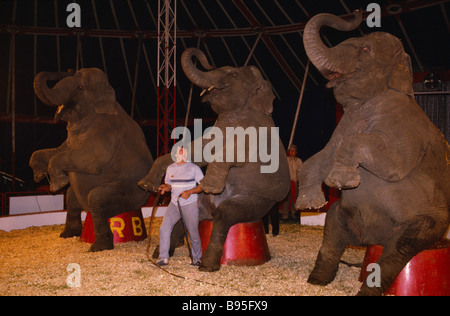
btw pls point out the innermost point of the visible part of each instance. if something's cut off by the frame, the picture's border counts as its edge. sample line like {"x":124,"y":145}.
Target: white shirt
{"x":181,"y":178}
{"x":295,"y":164}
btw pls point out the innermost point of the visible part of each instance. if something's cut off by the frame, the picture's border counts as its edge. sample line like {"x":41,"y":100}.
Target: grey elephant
{"x":103,"y":157}
{"x":238,"y":190}
{"x":385,"y":155}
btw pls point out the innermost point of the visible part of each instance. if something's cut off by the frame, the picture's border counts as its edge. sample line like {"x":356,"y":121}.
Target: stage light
{"x":432,"y":81}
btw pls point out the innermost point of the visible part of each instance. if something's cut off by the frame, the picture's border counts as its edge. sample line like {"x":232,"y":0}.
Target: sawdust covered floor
{"x":34,"y":261}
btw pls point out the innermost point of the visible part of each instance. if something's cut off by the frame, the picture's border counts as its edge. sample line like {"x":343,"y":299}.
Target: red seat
{"x":246,"y":243}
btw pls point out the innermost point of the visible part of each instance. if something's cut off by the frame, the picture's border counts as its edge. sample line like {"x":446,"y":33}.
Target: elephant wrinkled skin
{"x":236,"y":191}
{"x":385,"y":155}
{"x":103,"y":157}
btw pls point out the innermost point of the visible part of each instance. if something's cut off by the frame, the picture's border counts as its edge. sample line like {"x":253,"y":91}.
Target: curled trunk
{"x":203,"y":79}
{"x":55,"y":96}
{"x":324,"y":58}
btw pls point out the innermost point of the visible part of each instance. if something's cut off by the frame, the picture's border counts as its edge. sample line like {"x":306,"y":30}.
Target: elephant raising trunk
{"x":237,"y":190}
{"x":55,"y":96}
{"x":103,"y":157}
{"x":198,"y":77}
{"x":385,"y":155}
{"x":327,"y":60}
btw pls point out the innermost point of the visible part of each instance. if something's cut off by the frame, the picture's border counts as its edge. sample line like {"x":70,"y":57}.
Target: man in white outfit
{"x":295,"y":164}
{"x":182,"y":178}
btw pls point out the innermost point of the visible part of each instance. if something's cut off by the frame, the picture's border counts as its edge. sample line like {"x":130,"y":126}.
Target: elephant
{"x":103,"y":157}
{"x":237,"y":190}
{"x":387,"y":158}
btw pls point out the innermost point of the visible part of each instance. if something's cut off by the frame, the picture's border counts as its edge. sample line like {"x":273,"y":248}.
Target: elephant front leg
{"x":390,"y":160}
{"x":310,"y":177}
{"x":39,"y":163}
{"x":153,"y":179}
{"x":310,"y":197}
{"x":343,"y":177}
{"x":73,"y":225}
{"x":58,"y":178}
{"x":79,"y":160}
{"x":344,"y":173}
{"x":215,"y":177}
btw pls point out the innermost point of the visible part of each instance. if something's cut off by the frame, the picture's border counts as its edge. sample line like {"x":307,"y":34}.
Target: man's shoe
{"x":163,"y":262}
{"x":195,"y":263}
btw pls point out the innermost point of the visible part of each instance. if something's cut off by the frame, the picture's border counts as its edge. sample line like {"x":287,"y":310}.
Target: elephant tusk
{"x":206,"y":90}
{"x":334,"y":76}
{"x":60,"y":108}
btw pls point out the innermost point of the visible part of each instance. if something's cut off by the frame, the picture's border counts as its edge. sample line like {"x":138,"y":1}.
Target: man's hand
{"x":186,"y":194}
{"x":163,"y":188}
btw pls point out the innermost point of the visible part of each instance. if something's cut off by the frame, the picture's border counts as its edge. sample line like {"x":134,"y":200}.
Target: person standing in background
{"x":295,"y":164}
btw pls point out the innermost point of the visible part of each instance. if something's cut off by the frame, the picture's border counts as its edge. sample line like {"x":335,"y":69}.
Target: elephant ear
{"x":261,"y":98}
{"x":97,"y":83}
{"x":107,"y":103}
{"x":401,"y":77}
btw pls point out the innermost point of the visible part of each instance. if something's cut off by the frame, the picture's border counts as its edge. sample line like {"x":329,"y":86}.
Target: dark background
{"x":423,"y":26}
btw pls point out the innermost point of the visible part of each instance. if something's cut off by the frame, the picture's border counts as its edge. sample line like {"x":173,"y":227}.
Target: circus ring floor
{"x":35,"y":261}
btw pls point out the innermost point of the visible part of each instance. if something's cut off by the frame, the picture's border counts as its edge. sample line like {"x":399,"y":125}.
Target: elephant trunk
{"x":199,"y":78}
{"x":327,"y":60}
{"x":52,"y":97}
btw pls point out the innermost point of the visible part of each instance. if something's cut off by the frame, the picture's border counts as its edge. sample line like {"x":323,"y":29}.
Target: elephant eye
{"x":81,"y":87}
{"x":234,"y":75}
{"x":366,"y":49}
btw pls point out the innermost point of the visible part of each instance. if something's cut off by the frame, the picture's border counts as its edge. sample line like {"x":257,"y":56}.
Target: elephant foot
{"x":152,"y":180}
{"x":208,"y":268}
{"x":321,"y":278}
{"x":317,"y":281}
{"x":102,"y":245}
{"x":324,"y":271}
{"x":211,"y":258}
{"x":147,"y":186}
{"x":310,"y":197}
{"x":69,"y":233}
{"x":58,"y":182}
{"x":212,"y":186}
{"x":39,"y":175}
{"x":343,"y":177}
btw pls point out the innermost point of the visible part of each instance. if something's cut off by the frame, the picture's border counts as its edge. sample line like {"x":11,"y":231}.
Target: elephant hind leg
{"x":336,"y":237}
{"x":228,"y":213}
{"x":105,"y":202}
{"x":104,"y":238}
{"x":401,"y":248}
{"x":73,"y":225}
